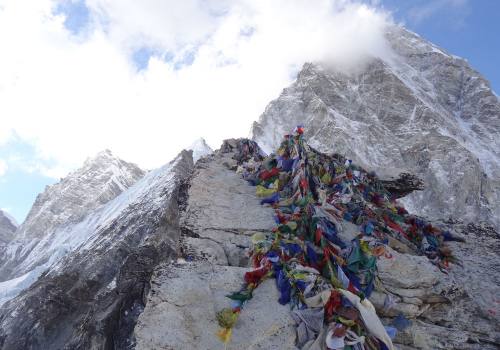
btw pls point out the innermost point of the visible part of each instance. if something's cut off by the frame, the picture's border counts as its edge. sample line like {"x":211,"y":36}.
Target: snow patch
{"x":200,"y":149}
{"x":9,"y":289}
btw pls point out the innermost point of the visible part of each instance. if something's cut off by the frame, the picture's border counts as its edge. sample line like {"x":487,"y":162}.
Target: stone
{"x":221,"y":214}
{"x":406,"y":271}
{"x":181,"y":312}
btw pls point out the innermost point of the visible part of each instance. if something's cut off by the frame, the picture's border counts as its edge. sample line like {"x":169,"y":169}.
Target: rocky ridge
{"x":157,"y":262}
{"x":222,"y":213}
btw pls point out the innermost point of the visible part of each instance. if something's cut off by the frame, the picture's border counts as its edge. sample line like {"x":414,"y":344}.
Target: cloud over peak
{"x":146,"y":78}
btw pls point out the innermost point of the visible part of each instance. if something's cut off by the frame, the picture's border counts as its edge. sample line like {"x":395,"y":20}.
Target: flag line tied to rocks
{"x":326,"y":281}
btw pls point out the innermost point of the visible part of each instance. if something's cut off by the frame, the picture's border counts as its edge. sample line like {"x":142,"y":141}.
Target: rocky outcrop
{"x":181,"y":308}
{"x":90,"y":299}
{"x":422,"y":111}
{"x":403,"y":185}
{"x":222,"y":213}
{"x":458,"y":310}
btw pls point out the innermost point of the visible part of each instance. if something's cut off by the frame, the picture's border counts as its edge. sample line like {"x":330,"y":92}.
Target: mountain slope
{"x":423,"y":111}
{"x":7,"y":228}
{"x":49,"y":231}
{"x":100,"y":179}
{"x":90,"y":297}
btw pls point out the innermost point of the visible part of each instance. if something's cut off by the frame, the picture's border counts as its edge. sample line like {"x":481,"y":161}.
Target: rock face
{"x":469,"y":315}
{"x":423,"y":112}
{"x":7,"y":228}
{"x":458,"y":310}
{"x":222,"y":213}
{"x":90,"y":298}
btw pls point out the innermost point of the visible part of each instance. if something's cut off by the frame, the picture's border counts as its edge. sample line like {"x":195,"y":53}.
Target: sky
{"x":147,"y":78}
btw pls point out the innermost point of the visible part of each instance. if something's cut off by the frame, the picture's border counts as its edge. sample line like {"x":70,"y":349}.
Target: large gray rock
{"x":447,"y":311}
{"x":471,"y":317}
{"x":223,"y":210}
{"x":458,"y":310}
{"x":222,"y":213}
{"x":184,"y":299}
{"x":423,"y":111}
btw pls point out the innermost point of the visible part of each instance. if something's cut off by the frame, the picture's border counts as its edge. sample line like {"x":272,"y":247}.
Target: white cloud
{"x":3,"y":167}
{"x":74,"y":96}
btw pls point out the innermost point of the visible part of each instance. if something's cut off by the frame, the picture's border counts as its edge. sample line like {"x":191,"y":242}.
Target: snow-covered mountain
{"x":421,"y":111}
{"x":47,"y":233}
{"x":101,"y":179}
{"x":8,"y":226}
{"x":94,"y":273}
{"x":200,"y":148}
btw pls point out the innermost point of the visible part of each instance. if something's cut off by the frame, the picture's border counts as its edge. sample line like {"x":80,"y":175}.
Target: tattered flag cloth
{"x":325,"y":280}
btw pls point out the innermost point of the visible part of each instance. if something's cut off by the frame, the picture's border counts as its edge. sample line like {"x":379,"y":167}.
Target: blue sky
{"x":469,"y":29}
{"x":22,"y":181}
{"x":465,"y":28}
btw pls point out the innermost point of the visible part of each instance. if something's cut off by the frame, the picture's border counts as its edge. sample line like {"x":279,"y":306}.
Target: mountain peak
{"x":104,"y":156}
{"x":12,"y":219}
{"x":105,"y":153}
{"x":200,"y":148}
{"x":423,"y":111}
{"x":8,"y":226}
{"x":100,"y":179}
